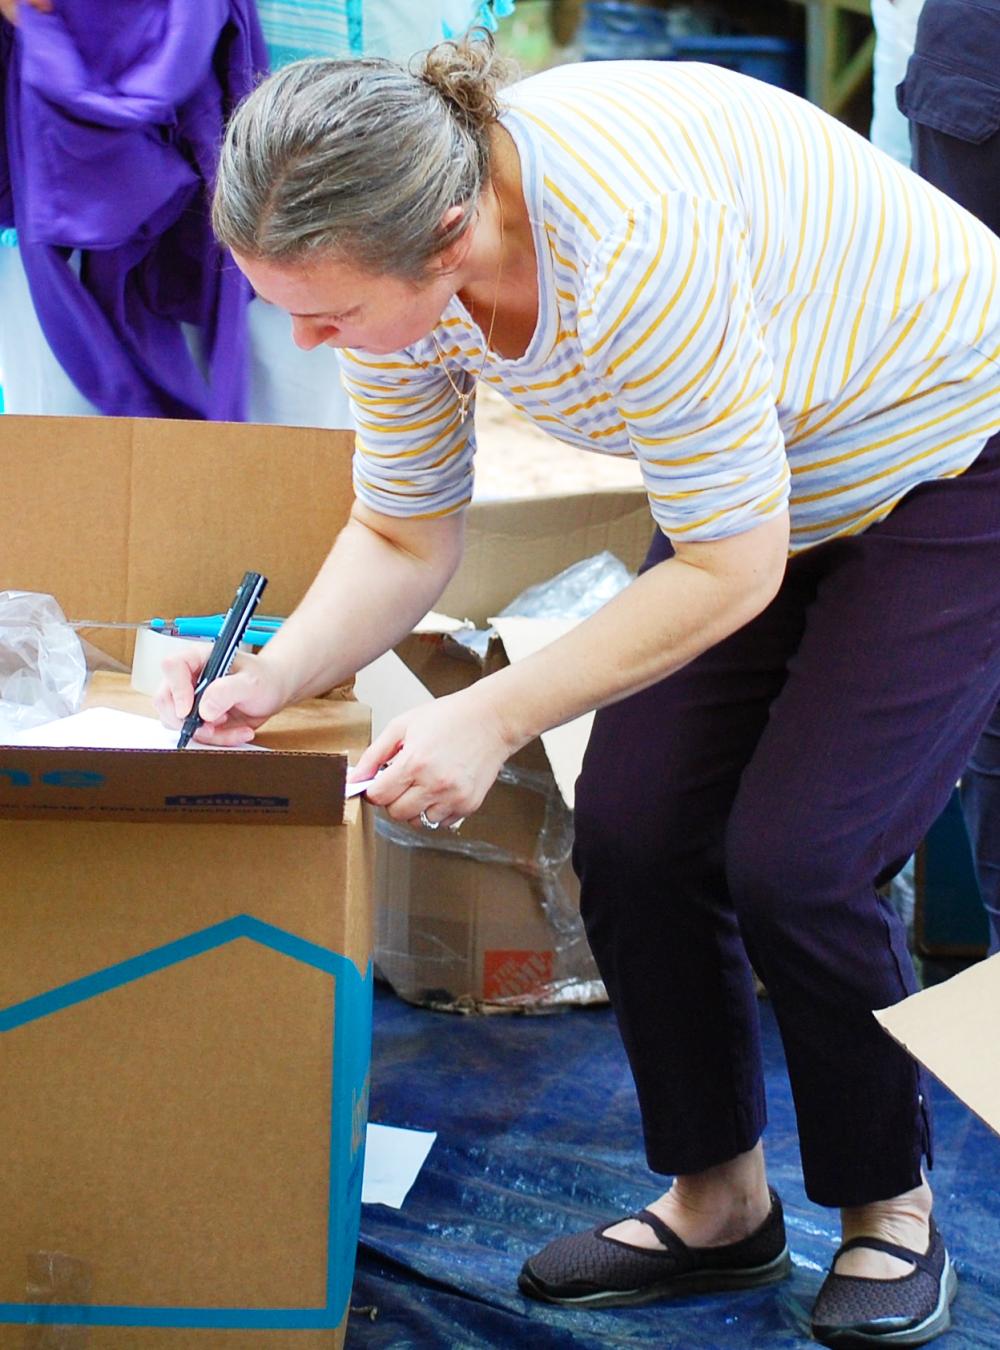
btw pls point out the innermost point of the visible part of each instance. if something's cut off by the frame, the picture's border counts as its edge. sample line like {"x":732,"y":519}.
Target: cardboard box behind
{"x":488,"y":919}
{"x":184,"y":997}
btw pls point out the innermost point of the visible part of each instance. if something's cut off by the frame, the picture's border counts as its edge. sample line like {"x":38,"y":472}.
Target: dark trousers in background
{"x":750,"y":805}
{"x":951,"y":95}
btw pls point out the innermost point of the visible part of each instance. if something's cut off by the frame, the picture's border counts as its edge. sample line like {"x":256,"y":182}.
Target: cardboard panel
{"x":177,"y":1152}
{"x":514,"y":544}
{"x":943,"y":1027}
{"x":209,"y":502}
{"x":67,"y":486}
{"x":184,"y":1012}
{"x":125,"y":519}
{"x":196,"y":787}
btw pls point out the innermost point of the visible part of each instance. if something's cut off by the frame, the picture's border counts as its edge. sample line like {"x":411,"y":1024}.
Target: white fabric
{"x":287,"y":386}
{"x":895,"y":33}
{"x":33,"y":380}
{"x":290,"y":387}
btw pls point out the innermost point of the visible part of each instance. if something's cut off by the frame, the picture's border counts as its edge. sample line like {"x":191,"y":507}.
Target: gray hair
{"x":359,"y":159}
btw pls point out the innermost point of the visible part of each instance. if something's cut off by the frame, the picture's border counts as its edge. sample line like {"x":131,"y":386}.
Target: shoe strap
{"x":667,"y":1236}
{"x":920,"y":1260}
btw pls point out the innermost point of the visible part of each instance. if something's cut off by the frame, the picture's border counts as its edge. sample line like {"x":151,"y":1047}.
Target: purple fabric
{"x":112,"y":118}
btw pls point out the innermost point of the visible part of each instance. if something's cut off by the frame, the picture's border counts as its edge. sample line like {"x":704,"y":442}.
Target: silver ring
{"x":429,"y":824}
{"x":456,"y":825}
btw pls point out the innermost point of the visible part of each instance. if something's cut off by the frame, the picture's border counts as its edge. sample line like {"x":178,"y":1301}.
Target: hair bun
{"x":468,"y":74}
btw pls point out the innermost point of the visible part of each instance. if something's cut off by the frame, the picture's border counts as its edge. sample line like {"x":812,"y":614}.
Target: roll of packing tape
{"x":151,"y":648}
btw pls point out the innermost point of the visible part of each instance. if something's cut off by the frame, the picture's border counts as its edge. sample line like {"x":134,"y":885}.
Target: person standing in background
{"x":297,"y":30}
{"x":951,"y":95}
{"x":895,"y":31}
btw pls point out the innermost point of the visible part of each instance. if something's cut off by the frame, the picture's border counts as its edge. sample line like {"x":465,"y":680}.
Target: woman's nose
{"x":308,"y":334}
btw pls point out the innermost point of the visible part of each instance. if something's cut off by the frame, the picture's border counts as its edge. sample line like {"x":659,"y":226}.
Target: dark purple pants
{"x":952,"y":96}
{"x":750,"y":805}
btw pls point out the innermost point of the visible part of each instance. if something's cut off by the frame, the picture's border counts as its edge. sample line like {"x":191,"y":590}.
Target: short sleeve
{"x":413,"y":452}
{"x":668,"y":325}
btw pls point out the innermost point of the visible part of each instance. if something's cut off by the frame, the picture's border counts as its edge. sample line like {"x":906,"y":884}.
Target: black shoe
{"x":855,"y":1310}
{"x":592,"y":1270}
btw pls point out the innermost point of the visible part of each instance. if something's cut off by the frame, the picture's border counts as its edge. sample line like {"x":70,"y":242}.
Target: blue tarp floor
{"x":538,"y":1135}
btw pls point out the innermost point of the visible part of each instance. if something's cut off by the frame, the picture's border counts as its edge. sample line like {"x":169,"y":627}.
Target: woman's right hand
{"x":231,"y":708}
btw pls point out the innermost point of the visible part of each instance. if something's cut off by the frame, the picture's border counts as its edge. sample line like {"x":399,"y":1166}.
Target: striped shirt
{"x":736,"y":290}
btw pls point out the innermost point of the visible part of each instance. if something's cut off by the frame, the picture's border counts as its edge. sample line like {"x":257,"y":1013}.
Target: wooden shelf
{"x":836,"y":65}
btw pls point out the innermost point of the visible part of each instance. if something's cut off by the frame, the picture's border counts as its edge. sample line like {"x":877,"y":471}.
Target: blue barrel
{"x":616,"y":30}
{"x":777,"y":60}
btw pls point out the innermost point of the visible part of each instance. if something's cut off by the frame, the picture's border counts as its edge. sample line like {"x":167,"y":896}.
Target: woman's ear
{"x":452,"y":255}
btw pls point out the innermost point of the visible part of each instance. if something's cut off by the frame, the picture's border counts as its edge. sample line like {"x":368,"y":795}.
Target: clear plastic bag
{"x":576,"y":593}
{"x":43,"y":671}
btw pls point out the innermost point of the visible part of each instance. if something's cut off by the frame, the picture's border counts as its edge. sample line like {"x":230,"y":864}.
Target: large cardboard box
{"x":186,"y":980}
{"x":488,"y":919}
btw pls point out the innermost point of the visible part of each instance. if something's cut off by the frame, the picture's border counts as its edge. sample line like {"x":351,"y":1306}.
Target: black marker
{"x":220,"y":658}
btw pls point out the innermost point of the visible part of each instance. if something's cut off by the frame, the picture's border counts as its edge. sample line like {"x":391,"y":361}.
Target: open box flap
{"x":942,"y":1027}
{"x":564,"y":745}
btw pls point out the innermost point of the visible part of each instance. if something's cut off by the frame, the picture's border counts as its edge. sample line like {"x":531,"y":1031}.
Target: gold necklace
{"x":465,"y":396}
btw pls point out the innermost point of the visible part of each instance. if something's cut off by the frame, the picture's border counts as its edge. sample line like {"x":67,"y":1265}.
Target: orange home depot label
{"x":516,"y":974}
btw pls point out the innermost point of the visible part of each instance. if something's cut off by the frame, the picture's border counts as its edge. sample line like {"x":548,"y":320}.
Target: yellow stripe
{"x":790,"y":288}
{"x":572,"y":408}
{"x":572,"y":207}
{"x":691,"y":110}
{"x":666,"y":311}
{"x":987,"y":306}
{"x":395,"y":455}
{"x":950,"y":415}
{"x":602,"y":130}
{"x":712,"y":362}
{"x":609,"y":431}
{"x":573,"y":154}
{"x":622,"y":245}
{"x":852,"y":341}
{"x":684,"y":462}
{"x":560,"y":258}
{"x":547,"y":384}
{"x":847,"y":252}
{"x":703,"y":520}
{"x":636,"y":294}
{"x":765,"y":233}
{"x":352,"y":354}
{"x":396,"y":428}
{"x":887,"y":474}
{"x":752,"y":401}
{"x":421,"y":515}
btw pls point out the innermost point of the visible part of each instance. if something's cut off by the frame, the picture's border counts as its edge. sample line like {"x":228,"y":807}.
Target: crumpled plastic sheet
{"x":43,"y":671}
{"x":538,"y":1135}
{"x":575,"y":593}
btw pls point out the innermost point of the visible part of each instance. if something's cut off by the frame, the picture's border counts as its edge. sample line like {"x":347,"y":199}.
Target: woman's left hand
{"x":441,"y":760}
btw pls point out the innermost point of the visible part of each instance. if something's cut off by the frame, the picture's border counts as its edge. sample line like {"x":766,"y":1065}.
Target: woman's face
{"x":332,"y":303}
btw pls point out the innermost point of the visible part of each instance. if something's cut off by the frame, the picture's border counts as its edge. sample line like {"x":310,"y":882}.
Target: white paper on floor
{"x":393,"y":1159}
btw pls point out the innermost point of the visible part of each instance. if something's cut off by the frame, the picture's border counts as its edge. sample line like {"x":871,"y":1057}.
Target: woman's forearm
{"x":379,"y":579}
{"x":666,"y":618}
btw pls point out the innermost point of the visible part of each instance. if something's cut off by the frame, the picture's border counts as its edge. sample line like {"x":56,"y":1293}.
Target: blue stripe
{"x":138,"y":967}
{"x":351,"y":1049}
{"x":216,"y":1319}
